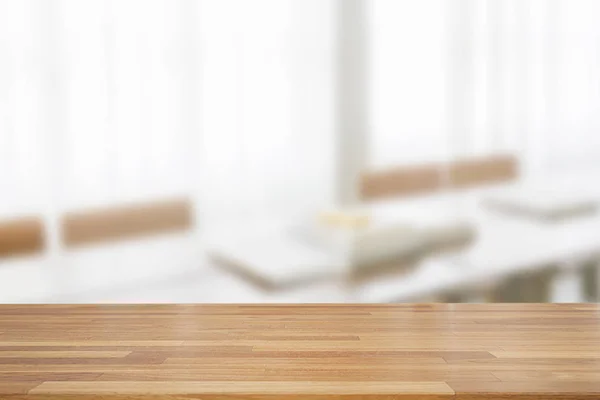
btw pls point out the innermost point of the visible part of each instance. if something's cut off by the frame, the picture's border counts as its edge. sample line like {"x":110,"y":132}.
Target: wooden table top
{"x":425,"y":352}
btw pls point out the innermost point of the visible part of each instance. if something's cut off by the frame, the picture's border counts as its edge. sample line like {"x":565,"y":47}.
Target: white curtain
{"x":232,"y":103}
{"x":22,"y":102}
{"x":474,"y":77}
{"x":111,"y":101}
{"x":575,"y":50}
{"x":408,"y":82}
{"x":267,"y":105}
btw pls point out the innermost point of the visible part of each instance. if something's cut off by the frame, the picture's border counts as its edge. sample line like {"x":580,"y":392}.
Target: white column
{"x":352,"y":99}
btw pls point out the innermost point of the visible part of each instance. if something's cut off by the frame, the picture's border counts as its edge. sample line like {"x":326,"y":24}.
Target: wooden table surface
{"x":493,"y":351}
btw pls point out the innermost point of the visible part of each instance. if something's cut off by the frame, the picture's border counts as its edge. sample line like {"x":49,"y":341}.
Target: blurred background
{"x":299,"y":151}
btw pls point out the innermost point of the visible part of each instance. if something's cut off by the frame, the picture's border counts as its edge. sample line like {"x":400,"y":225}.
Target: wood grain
{"x":21,"y":236}
{"x":121,"y":222}
{"x":411,"y":352}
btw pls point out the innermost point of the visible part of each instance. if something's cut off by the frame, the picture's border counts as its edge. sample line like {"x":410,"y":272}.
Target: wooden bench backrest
{"x":123,"y":222}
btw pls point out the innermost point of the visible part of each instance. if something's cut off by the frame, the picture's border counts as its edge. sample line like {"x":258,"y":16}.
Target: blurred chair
{"x":24,"y":270}
{"x":432,"y":185}
{"x":123,"y":222}
{"x":431,"y":178}
{"x":399,"y":182}
{"x":482,"y":171}
{"x":126,"y":248}
{"x":417,"y":196}
{"x":466,"y":181}
{"x":492,"y":171}
{"x":21,"y":236}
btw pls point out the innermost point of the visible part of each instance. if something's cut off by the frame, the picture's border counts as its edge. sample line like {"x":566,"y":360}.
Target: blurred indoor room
{"x":246,"y":151}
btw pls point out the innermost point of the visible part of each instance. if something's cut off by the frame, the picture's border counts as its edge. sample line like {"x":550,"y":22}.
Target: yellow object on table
{"x":344,"y":219}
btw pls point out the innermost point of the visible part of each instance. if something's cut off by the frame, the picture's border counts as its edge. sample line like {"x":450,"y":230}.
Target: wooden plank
{"x":122,"y":222}
{"x":283,"y":389}
{"x":424,"y":352}
{"x":39,"y":377}
{"x":16,"y":387}
{"x":568,"y":354}
{"x":547,"y":376}
{"x":63,"y":354}
{"x":21,"y":236}
{"x":530,"y":390}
